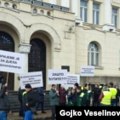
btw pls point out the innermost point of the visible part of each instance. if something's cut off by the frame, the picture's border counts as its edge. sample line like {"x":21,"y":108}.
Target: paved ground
{"x":39,"y":116}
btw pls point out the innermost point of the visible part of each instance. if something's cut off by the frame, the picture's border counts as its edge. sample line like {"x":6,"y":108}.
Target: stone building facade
{"x":62,"y":34}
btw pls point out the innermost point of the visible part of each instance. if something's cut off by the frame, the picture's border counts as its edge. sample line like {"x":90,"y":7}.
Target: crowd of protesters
{"x":87,"y":95}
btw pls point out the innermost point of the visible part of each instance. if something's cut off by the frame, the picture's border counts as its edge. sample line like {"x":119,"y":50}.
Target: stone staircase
{"x":15,"y":105}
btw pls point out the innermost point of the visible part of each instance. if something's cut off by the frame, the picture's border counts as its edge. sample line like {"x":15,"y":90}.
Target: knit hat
{"x":28,"y":86}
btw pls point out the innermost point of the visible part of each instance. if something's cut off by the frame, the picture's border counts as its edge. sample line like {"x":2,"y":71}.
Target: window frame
{"x":115,"y":16}
{"x":93,"y":54}
{"x":84,"y":10}
{"x":96,"y":13}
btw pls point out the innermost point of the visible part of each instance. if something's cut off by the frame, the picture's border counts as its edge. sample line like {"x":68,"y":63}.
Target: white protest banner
{"x":87,"y":71}
{"x":12,"y":62}
{"x":72,"y":79}
{"x":57,"y":76}
{"x":35,"y":79}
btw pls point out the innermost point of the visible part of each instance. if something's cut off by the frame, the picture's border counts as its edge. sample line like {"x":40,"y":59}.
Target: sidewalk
{"x":39,"y":116}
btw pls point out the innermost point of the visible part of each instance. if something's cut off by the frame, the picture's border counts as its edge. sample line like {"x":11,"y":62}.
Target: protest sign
{"x":12,"y":62}
{"x":57,"y":76}
{"x":35,"y":79}
{"x":87,"y":71}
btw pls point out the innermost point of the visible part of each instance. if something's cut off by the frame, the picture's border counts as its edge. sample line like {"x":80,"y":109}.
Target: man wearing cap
{"x":28,"y":102}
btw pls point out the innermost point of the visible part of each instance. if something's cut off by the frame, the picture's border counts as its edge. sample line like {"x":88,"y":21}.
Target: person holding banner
{"x":28,"y":102}
{"x":4,"y":102}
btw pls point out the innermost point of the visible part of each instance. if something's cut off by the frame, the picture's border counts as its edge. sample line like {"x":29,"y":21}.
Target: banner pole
{"x":7,"y":78}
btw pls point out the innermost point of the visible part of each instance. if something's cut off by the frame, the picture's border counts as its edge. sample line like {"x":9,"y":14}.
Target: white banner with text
{"x":12,"y":62}
{"x":35,"y":79}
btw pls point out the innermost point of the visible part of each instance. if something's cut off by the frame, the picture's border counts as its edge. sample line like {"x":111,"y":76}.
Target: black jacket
{"x":4,"y":101}
{"x":30,"y":99}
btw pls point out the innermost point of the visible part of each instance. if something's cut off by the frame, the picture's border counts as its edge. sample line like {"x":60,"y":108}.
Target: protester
{"x":69,"y":97}
{"x":4,"y":102}
{"x":117,"y":96}
{"x":20,"y":93}
{"x":54,"y":100}
{"x":76,"y":85}
{"x":41,"y":94}
{"x":96,"y":94}
{"x":113,"y":91}
{"x":78,"y":96}
{"x":62,"y":95}
{"x":83,"y":97}
{"x":74,"y":97}
{"x":105,"y":97}
{"x":1,"y":80}
{"x":28,"y":102}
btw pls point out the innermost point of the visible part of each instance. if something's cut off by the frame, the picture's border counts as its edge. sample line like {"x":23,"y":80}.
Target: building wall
{"x":53,"y":28}
{"x":110,"y":56}
{"x":66,"y":40}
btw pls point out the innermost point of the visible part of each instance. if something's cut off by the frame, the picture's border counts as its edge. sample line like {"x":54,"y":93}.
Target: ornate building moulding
{"x":14,"y":23}
{"x":116,"y":1}
{"x":53,"y":35}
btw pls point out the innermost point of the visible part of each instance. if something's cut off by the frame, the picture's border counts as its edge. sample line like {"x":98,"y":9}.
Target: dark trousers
{"x":40,"y":104}
{"x":62,"y":104}
{"x":53,"y":112}
{"x":21,"y":111}
{"x":113,"y":102}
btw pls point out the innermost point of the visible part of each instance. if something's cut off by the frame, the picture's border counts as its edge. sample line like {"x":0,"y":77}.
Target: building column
{"x":23,"y":49}
{"x":119,"y":18}
{"x":108,"y":11}
{"x":75,"y":8}
{"x":53,"y":2}
{"x":101,"y":14}
{"x":65,"y":3}
{"x":90,"y":11}
{"x":58,"y":2}
{"x":107,"y":16}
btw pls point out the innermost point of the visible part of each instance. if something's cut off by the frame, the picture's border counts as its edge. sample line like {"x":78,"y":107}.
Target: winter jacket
{"x":30,"y":99}
{"x":72,"y":99}
{"x":62,"y":96}
{"x":40,"y":91}
{"x":54,"y":98}
{"x":4,"y":101}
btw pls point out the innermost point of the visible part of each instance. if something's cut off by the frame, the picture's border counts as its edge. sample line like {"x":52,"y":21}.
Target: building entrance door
{"x":7,"y":44}
{"x":37,"y":57}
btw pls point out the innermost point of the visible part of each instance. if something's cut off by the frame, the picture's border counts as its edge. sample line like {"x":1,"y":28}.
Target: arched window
{"x":93,"y":54}
{"x":37,"y":57}
{"x":7,"y":43}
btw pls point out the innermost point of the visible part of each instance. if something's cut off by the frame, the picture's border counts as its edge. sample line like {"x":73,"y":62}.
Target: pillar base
{"x":79,"y":22}
{"x":109,"y":28}
{"x":24,"y":48}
